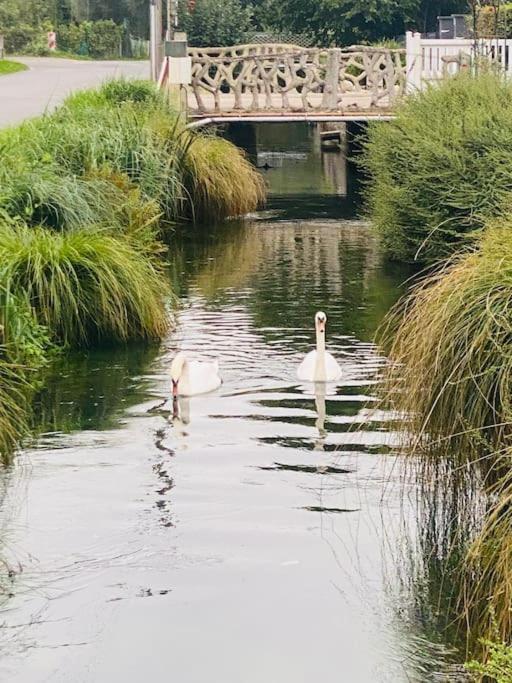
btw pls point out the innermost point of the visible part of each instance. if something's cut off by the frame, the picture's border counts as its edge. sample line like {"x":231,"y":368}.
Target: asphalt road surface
{"x":48,"y":81}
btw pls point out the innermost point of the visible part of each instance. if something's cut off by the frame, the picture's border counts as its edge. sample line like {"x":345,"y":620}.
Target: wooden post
{"x":332,"y":78}
{"x":414,"y":62}
{"x":2,"y":51}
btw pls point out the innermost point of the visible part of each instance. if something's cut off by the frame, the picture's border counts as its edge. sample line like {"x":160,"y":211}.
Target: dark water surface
{"x":255,"y":536}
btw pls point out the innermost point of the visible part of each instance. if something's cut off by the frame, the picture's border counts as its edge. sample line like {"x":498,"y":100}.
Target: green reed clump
{"x":48,"y":165}
{"x":441,"y":167}
{"x":84,"y":286}
{"x":486,"y":596}
{"x":14,"y":390}
{"x":219,"y":179}
{"x":451,"y":350}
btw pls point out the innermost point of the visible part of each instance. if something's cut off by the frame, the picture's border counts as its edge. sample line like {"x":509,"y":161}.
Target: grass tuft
{"x":220,"y":181}
{"x":85,"y":286}
{"x":451,"y":350}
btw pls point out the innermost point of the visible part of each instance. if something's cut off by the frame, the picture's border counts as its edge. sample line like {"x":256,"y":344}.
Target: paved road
{"x":48,"y":81}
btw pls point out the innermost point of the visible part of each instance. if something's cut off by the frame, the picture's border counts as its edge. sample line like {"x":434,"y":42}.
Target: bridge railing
{"x":262,"y":78}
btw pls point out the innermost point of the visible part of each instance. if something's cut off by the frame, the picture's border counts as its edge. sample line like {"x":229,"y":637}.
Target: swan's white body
{"x":319,"y":365}
{"x":192,"y":377}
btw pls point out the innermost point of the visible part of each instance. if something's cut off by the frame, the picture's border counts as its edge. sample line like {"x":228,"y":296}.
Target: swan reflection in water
{"x":180,"y":417}
{"x":320,"y":392}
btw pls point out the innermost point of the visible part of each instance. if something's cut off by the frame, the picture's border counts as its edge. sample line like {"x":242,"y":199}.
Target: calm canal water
{"x":255,"y":536}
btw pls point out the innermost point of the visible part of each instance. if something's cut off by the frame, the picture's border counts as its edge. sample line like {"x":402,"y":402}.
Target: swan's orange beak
{"x":175,"y":388}
{"x":321,"y":325}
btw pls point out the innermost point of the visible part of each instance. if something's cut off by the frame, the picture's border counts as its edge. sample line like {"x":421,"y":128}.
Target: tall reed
{"x":219,"y":179}
{"x":13,"y":407}
{"x":451,"y":351}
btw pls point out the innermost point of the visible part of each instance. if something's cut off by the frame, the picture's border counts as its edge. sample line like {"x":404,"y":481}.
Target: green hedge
{"x":18,"y":39}
{"x":442,"y":167}
{"x":100,"y":39}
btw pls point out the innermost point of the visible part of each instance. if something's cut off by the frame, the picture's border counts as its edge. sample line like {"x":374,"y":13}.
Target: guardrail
{"x":264,"y":77}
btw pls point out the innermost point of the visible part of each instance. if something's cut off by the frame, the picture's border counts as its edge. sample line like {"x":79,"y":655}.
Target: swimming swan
{"x":192,"y":377}
{"x":319,"y":365}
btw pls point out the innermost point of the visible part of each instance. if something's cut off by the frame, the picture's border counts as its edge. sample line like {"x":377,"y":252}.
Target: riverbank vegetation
{"x":442,"y":168}
{"x":87,"y":195}
{"x":439,"y":188}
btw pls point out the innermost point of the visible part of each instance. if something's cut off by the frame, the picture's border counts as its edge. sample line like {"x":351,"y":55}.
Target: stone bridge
{"x":288,"y":82}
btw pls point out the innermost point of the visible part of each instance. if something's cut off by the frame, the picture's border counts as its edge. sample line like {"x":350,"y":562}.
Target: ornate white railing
{"x":430,"y":59}
{"x":291,"y":78}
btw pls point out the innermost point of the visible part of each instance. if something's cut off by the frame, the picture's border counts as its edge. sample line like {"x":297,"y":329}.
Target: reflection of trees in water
{"x":88,"y":391}
{"x":294,"y":269}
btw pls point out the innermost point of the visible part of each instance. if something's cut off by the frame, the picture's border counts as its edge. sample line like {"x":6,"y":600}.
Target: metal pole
{"x":155,"y":36}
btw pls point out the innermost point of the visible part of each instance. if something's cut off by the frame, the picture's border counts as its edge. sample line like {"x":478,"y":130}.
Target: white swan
{"x":319,"y":365}
{"x":192,"y":377}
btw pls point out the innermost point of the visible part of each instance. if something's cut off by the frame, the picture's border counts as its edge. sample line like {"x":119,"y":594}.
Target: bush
{"x":84,"y":286}
{"x":19,"y":38}
{"x":71,"y":38}
{"x":491,"y":23}
{"x":122,"y":90}
{"x":98,"y":39}
{"x":442,"y":167}
{"x":22,"y":339}
{"x":498,"y":665}
{"x":451,"y":353}
{"x":220,"y":180}
{"x":215,"y":23}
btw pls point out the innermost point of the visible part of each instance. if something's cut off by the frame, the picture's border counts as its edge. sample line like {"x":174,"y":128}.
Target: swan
{"x":319,"y":365}
{"x":192,"y":377}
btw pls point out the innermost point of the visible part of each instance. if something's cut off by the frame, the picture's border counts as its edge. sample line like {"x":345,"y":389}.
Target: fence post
{"x":414,"y":62}
{"x":332,"y":79}
{"x":2,"y":52}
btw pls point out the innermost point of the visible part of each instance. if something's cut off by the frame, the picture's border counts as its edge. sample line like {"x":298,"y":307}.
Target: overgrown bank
{"x":83,"y":195}
{"x":440,"y":194}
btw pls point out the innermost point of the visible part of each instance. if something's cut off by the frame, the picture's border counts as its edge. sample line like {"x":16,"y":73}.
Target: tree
{"x":215,"y":22}
{"x":429,"y":10}
{"x":345,"y":22}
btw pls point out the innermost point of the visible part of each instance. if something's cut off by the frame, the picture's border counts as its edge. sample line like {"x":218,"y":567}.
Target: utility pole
{"x":155,"y":37}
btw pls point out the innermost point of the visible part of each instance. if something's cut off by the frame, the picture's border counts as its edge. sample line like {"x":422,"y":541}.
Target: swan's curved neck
{"x":320,"y":341}
{"x":320,"y":355}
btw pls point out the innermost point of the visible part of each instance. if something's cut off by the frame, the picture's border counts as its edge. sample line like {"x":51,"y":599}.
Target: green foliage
{"x":18,"y":38}
{"x":14,"y":391}
{"x":22,"y":339}
{"x":494,"y":21}
{"x":107,"y":150}
{"x":84,"y":286}
{"x":346,"y":22}
{"x":122,"y":90}
{"x":498,"y":664}
{"x":441,"y":167}
{"x":98,"y":39}
{"x":451,"y":352}
{"x":215,"y":22}
{"x":8,"y":67}
{"x":220,"y":180}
